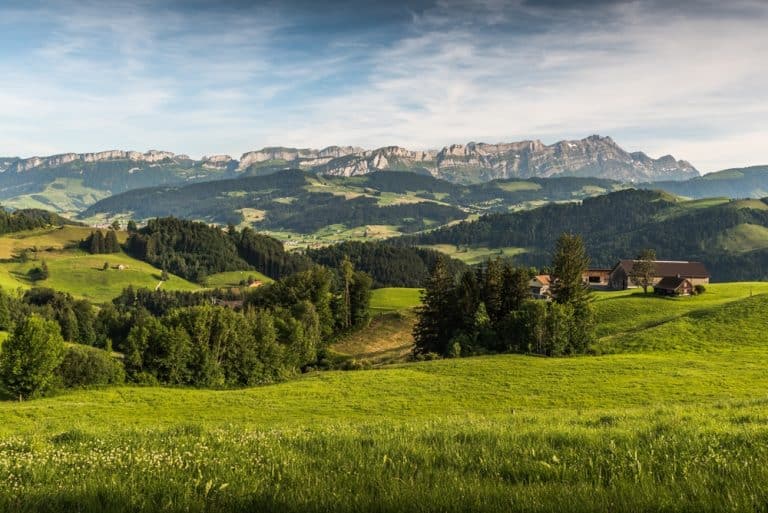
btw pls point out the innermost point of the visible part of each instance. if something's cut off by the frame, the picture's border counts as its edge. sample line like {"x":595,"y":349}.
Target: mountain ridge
{"x":473,"y":162}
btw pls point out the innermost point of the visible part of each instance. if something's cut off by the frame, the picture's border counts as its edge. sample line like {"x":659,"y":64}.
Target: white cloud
{"x":685,"y":82}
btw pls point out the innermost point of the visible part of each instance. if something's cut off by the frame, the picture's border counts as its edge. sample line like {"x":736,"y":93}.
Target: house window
{"x":594,"y":279}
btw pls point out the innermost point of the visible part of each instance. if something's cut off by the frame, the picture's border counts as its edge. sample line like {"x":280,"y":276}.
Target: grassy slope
{"x":474,"y":255}
{"x":394,"y":298}
{"x":75,"y":271}
{"x":233,"y":278}
{"x":676,"y":423}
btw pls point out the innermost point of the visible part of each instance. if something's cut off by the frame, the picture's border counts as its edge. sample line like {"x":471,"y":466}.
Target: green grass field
{"x":394,"y":298}
{"x":75,"y":271}
{"x":672,"y":417}
{"x":474,"y":255}
{"x":233,"y":278}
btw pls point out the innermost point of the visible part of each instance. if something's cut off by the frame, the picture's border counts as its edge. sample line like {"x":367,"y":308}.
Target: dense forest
{"x":195,"y":250}
{"x":29,"y":219}
{"x":388,"y":265}
{"x":619,"y":225}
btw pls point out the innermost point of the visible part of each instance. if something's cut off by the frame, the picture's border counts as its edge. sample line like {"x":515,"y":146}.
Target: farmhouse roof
{"x":670,"y":268}
{"x":544,"y":279}
{"x":671,"y":283}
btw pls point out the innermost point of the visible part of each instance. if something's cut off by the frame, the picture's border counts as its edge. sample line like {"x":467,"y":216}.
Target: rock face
{"x":151,"y":156}
{"x":594,"y":156}
{"x":477,"y":162}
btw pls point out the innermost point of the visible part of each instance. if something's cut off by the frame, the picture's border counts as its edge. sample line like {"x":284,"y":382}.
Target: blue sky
{"x":201,"y":77}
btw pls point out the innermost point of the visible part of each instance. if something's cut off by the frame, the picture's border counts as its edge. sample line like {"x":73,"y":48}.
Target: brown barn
{"x":695,"y":272}
{"x":673,"y":286}
{"x":596,"y":278}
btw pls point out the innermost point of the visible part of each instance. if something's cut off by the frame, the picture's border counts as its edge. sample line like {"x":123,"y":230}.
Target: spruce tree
{"x":111,"y":244}
{"x":437,"y":314}
{"x":97,"y":242}
{"x":569,"y":264}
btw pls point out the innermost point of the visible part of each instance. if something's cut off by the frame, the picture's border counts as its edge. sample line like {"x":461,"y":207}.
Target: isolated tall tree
{"x":569,"y":263}
{"x":437,"y":315}
{"x":30,"y":356}
{"x":97,"y":242}
{"x":111,"y":244}
{"x":644,"y":269}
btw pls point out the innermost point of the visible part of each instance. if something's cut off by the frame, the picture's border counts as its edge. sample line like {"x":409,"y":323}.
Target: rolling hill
{"x":724,"y":234}
{"x":675,"y":422}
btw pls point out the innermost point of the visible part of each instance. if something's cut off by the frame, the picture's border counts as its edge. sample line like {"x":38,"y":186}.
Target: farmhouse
{"x":673,"y":286}
{"x":540,"y":286}
{"x":695,"y":272}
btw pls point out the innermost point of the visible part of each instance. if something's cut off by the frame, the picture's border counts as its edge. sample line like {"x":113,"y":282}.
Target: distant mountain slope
{"x":748,"y":182}
{"x":301,"y":202}
{"x":728,"y":235}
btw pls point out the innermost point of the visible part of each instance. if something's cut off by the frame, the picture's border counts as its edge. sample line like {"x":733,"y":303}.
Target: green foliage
{"x":195,"y":250}
{"x":30,"y":356}
{"x":643,"y":269}
{"x":84,"y":366}
{"x":388,"y":265}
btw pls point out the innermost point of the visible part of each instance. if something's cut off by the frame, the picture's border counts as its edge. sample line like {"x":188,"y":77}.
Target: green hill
{"x":75,"y":271}
{"x":676,"y":422}
{"x":727,"y":235}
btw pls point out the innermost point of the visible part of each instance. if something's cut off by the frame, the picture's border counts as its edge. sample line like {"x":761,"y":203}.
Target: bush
{"x":699,"y":289}
{"x":30,"y":356}
{"x":85,"y":366}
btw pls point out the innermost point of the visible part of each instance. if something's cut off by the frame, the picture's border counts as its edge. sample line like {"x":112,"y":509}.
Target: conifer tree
{"x":437,"y":315}
{"x":111,"y":244}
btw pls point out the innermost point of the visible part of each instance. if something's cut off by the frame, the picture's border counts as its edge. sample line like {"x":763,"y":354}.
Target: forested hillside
{"x":195,"y":250}
{"x":389,"y":266}
{"x":729,"y":236}
{"x":29,"y":219}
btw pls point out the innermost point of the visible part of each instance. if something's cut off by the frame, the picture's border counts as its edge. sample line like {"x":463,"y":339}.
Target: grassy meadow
{"x":671,"y":416}
{"x":76,"y":271}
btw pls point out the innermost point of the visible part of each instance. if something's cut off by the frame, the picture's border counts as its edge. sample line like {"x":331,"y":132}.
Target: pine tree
{"x":569,"y":264}
{"x":97,"y":243}
{"x":437,"y":315}
{"x":111,"y":244}
{"x":132,"y":226}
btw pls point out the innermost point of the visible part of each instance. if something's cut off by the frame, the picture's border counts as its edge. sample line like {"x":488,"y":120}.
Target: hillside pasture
{"x":474,"y":255}
{"x":394,"y":298}
{"x":643,"y":431}
{"x":234,"y":278}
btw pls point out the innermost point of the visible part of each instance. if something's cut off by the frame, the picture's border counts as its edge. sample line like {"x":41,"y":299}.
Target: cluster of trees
{"x":388,"y":265}
{"x":491,"y":309}
{"x":195,"y":250}
{"x":29,"y":219}
{"x":179,"y":338}
{"x":97,"y":243}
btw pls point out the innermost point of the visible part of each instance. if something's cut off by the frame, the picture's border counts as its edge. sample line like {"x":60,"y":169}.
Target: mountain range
{"x":594,"y":156}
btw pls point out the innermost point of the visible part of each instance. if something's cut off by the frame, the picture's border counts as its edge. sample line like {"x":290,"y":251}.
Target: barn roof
{"x":671,"y":283}
{"x":670,"y":268}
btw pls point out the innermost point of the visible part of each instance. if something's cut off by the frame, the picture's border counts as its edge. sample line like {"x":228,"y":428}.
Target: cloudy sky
{"x":203,"y":77}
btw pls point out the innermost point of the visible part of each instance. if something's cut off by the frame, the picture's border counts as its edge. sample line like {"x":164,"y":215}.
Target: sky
{"x":200,"y":77}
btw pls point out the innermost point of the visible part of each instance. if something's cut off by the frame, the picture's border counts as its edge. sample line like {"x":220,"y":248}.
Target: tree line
{"x":490,"y":309}
{"x":177,"y":338}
